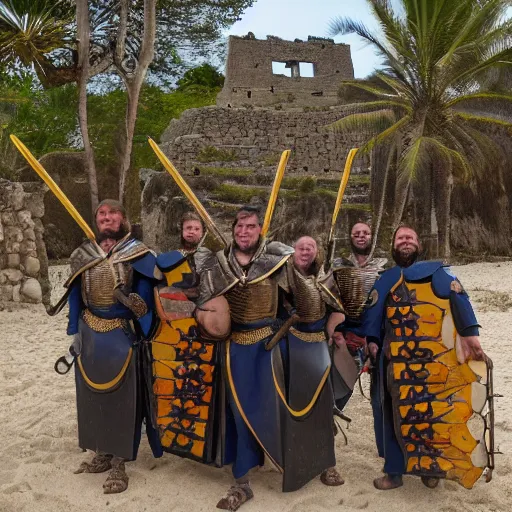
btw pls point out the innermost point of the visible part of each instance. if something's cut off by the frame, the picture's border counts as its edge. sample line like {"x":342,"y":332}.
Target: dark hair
{"x":351,"y":227}
{"x":247,"y":211}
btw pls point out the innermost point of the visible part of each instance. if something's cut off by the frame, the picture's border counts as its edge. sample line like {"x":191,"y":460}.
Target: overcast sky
{"x":291,"y":19}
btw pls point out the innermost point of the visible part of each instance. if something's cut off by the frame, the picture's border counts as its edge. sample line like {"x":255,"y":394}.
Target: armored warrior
{"x":272,"y":404}
{"x":110,"y":312}
{"x":314,"y":298}
{"x":432,"y":399}
{"x":355,"y":277}
{"x":183,"y":360}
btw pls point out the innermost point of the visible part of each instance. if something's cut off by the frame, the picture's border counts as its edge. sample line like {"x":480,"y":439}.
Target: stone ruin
{"x":23,"y":260}
{"x":255,"y":72}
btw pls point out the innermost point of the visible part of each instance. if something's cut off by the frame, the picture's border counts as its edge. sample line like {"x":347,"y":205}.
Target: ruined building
{"x":269,"y":72}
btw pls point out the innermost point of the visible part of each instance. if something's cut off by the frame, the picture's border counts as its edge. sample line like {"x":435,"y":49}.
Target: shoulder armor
{"x":421,"y":270}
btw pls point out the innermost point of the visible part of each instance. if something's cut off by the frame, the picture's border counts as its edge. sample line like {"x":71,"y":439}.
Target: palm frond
{"x":484,"y":120}
{"x":366,"y":123}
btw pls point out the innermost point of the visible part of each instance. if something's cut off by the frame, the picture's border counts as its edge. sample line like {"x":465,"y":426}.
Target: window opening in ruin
{"x":279,"y":68}
{"x":249,"y":94}
{"x":307,"y":69}
{"x":326,"y":169}
{"x":317,"y":93}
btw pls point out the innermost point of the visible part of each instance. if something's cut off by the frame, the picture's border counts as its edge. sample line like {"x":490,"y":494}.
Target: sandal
{"x":388,"y":482}
{"x":100,"y":463}
{"x":236,"y":496}
{"x":331,"y":477}
{"x":117,"y":480}
{"x":430,"y":481}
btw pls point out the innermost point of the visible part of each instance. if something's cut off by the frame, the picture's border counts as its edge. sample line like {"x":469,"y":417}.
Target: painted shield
{"x":184,"y":373}
{"x":443,"y":412}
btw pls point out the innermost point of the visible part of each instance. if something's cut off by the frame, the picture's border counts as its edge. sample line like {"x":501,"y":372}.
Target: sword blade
{"x":30,"y":158}
{"x":275,"y":191}
{"x":339,"y":198}
{"x":169,"y":167}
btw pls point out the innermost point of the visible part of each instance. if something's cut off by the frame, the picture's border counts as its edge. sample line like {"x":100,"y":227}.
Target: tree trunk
{"x":401,"y":195}
{"x":380,"y":214}
{"x":83,"y":31}
{"x":443,"y":210}
{"x":133,"y":84}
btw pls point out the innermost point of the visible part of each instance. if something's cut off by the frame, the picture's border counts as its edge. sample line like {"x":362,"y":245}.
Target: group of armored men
{"x":229,"y":357}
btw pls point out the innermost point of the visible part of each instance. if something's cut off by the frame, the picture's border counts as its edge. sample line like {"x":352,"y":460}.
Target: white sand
{"x":39,"y":451}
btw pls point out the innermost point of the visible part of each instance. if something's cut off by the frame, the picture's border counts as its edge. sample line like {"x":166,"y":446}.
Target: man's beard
{"x":404,"y":260}
{"x":249,"y":250}
{"x":109,"y":234}
{"x":362,"y":251}
{"x":188,"y":246}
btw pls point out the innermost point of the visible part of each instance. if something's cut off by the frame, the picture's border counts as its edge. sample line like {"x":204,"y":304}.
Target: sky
{"x":291,"y":19}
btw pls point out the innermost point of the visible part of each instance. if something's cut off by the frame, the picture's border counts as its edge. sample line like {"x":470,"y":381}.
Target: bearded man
{"x":259,"y":368}
{"x":110,"y":312}
{"x":423,"y":338}
{"x":355,"y":276}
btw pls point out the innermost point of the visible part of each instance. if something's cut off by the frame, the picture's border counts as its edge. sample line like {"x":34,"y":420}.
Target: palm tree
{"x":428,"y":101}
{"x":30,"y":30}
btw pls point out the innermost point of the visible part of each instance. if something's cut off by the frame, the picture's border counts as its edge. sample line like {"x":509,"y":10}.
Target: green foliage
{"x":226,"y":172}
{"x":237,"y":194}
{"x":204,"y":75}
{"x":307,"y":184}
{"x":213,"y":154}
{"x":46,"y":120}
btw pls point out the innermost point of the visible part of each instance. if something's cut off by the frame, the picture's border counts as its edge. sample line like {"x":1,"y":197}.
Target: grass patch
{"x":226,"y":172}
{"x":491,"y":300}
{"x":237,"y":194}
{"x":213,"y":154}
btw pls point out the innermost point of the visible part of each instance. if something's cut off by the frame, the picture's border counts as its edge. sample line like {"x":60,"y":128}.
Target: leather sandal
{"x":236,"y":496}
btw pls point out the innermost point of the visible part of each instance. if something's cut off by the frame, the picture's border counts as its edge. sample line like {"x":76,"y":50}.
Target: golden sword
{"x":169,"y":167}
{"x":30,"y":158}
{"x":339,"y":199}
{"x":275,"y":191}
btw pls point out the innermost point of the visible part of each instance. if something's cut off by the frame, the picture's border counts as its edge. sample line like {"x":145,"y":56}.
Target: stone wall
{"x":23,"y":260}
{"x":250,"y":79}
{"x":254,"y":137}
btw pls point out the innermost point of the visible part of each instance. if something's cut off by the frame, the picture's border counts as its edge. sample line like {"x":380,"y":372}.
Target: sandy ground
{"x":39,"y":452}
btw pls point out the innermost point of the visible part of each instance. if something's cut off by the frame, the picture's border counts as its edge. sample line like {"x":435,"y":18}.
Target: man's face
{"x":361,"y":238}
{"x":405,"y":247}
{"x":109,"y":220}
{"x":192,"y":232}
{"x":247,"y":233}
{"x":305,"y":253}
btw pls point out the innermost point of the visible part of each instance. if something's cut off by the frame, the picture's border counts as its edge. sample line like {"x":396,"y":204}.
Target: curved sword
{"x":200,"y":209}
{"x":339,"y":199}
{"x":275,"y":191}
{"x":31,"y":159}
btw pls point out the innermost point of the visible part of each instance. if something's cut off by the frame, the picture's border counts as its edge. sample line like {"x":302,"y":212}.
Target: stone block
{"x":8,"y":218}
{"x":31,"y":291}
{"x":27,"y":246}
{"x":31,"y":266}
{"x":25,"y":219}
{"x":13,"y":260}
{"x":13,"y":234}
{"x":29,"y":234}
{"x":11,"y":275}
{"x":35,"y":205}
{"x":17,"y":198}
{"x":12,"y":247}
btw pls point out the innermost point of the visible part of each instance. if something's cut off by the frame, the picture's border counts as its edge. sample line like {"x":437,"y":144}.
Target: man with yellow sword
{"x":110,"y":297}
{"x":258,"y":365}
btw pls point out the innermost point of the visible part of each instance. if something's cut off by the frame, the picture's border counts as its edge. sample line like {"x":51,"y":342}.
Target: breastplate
{"x":252,"y":302}
{"x":354,"y":285}
{"x":308,"y":300}
{"x":99,"y":282}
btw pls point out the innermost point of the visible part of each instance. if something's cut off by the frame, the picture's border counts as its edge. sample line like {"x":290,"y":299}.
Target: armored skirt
{"x":280,"y":403}
{"x":107,"y":388}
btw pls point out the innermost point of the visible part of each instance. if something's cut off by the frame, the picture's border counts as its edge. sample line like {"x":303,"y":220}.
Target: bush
{"x":213,"y":154}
